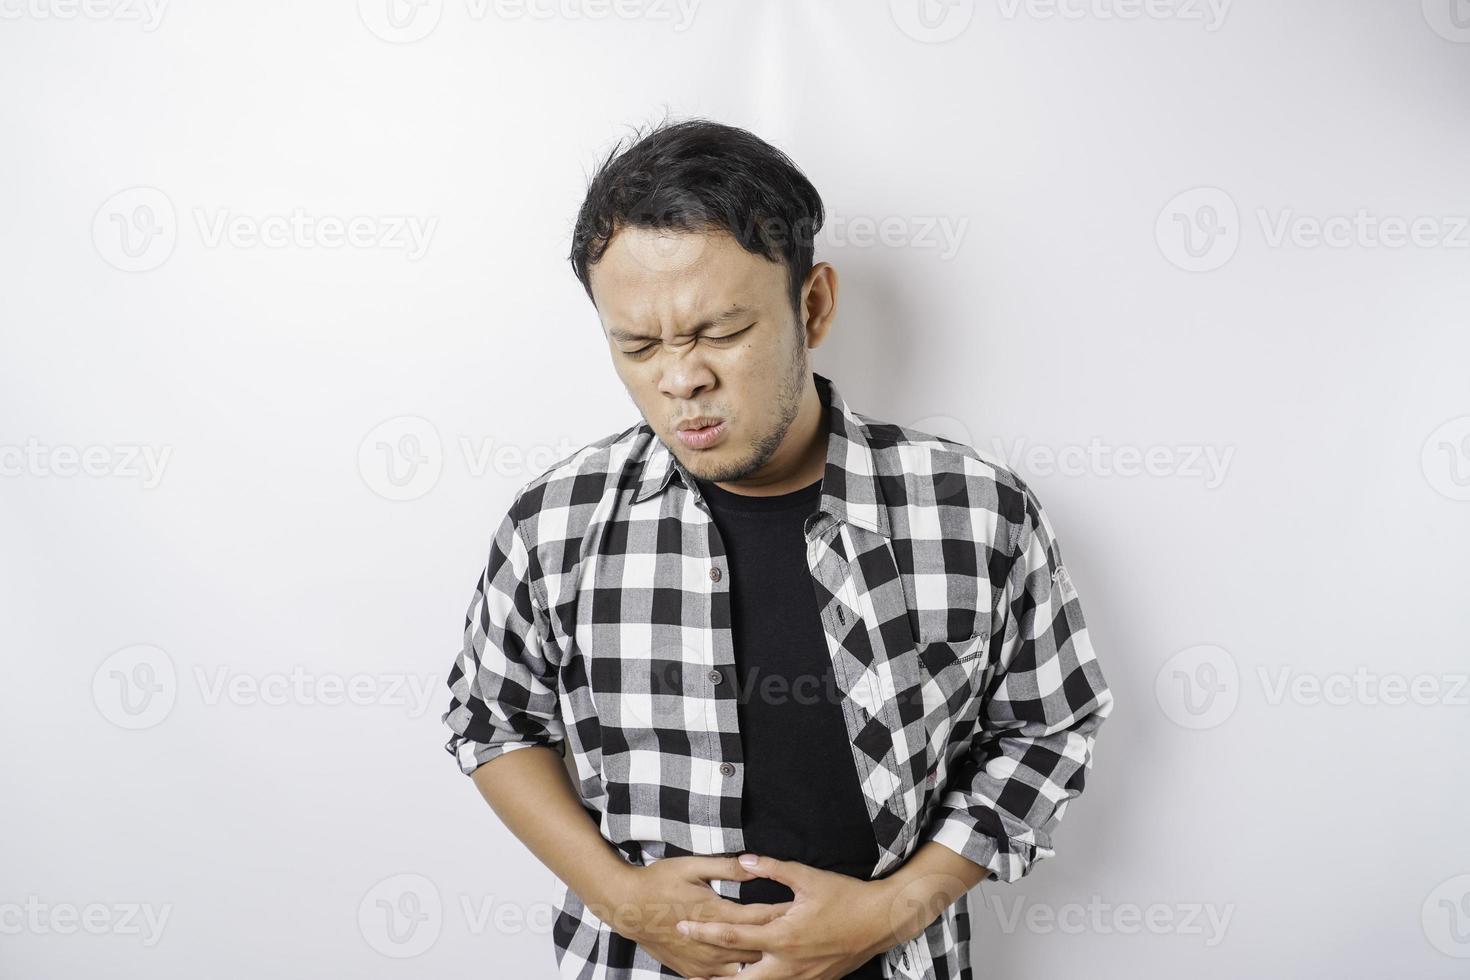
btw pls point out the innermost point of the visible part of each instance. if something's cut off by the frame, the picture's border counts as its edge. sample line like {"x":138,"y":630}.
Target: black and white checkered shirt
{"x":602,"y":622}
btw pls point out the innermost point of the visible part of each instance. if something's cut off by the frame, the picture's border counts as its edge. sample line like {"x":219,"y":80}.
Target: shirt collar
{"x":850,"y":487}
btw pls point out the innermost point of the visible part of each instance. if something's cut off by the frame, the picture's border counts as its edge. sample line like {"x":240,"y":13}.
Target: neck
{"x":800,"y":460}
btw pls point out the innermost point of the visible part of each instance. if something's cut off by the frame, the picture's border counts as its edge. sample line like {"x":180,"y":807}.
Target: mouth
{"x":700,"y":432}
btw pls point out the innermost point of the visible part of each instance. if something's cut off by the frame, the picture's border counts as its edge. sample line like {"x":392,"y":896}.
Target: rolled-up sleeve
{"x":1042,"y":706}
{"x":503,"y":683}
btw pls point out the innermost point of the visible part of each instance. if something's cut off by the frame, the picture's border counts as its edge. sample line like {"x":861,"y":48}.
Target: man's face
{"x":700,"y":329}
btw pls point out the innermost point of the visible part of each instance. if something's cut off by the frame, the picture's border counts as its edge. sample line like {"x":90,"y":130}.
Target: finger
{"x":718,"y":869}
{"x":734,"y":966}
{"x":751,"y":913}
{"x":767,"y":969}
{"x":736,"y":969}
{"x":792,"y":874}
{"x":773,"y":908}
{"x":728,"y":935}
{"x":735,"y":955}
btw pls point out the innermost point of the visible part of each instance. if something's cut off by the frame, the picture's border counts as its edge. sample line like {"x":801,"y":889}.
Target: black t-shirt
{"x":802,"y":801}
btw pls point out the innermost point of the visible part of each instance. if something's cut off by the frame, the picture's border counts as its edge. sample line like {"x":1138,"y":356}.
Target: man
{"x":765,"y":625}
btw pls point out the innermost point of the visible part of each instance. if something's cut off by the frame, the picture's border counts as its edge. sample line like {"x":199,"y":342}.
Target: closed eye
{"x":729,"y":336}
{"x":638,"y":353}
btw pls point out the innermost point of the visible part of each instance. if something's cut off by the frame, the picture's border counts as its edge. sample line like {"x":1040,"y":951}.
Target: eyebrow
{"x":733,"y":313}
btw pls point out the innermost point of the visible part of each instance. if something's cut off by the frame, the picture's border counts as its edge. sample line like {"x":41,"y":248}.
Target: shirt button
{"x":727,"y":769}
{"x":715,"y":677}
{"x":714,"y":574}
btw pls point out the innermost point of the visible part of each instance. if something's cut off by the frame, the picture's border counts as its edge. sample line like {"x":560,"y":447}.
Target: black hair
{"x":700,"y":175}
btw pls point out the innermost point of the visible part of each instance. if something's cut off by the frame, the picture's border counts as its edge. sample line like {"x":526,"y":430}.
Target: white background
{"x":1280,"y":791}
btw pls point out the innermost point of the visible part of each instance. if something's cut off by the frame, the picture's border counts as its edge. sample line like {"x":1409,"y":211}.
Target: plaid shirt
{"x":968,"y":682}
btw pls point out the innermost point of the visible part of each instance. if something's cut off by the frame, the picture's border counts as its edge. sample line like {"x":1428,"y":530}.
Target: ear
{"x":819,"y":302}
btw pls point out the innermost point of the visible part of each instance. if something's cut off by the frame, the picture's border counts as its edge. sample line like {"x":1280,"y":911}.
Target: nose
{"x":685,"y":376}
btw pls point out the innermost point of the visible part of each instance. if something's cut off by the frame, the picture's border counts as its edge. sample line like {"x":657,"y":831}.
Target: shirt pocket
{"x":958,"y":644}
{"x":951,"y":674}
